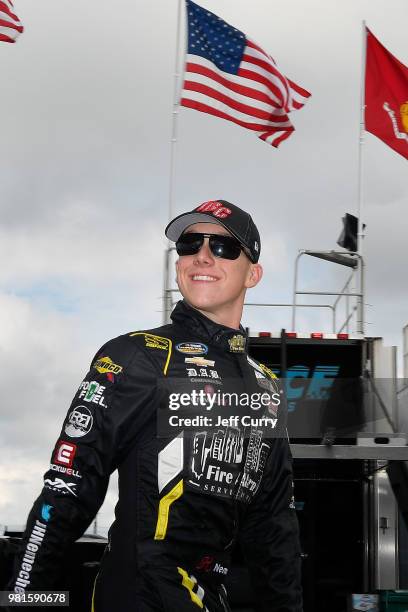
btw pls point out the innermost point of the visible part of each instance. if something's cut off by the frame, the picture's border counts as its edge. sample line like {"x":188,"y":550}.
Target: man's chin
{"x":202,"y":304}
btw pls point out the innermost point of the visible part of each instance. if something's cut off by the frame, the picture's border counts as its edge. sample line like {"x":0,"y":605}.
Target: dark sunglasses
{"x":226,"y":247}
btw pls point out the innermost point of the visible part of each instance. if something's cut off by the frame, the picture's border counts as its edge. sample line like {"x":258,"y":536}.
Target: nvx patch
{"x":192,"y":348}
{"x":60,"y":486}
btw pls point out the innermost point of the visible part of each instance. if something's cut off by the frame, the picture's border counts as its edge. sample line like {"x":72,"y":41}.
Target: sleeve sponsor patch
{"x":105,"y":365}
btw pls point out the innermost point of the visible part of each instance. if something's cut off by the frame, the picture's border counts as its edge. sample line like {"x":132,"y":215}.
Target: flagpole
{"x":360,"y":233}
{"x":175,"y":113}
{"x":173,"y":143}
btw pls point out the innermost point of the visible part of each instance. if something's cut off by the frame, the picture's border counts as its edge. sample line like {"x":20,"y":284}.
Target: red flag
{"x":229,"y":76}
{"x":386,"y":96}
{"x":10,"y":25}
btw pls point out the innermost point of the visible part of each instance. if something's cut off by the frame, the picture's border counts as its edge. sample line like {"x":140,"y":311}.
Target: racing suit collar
{"x":225,"y":338}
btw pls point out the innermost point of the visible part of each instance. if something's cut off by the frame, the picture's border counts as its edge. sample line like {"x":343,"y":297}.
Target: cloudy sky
{"x":86,"y":104}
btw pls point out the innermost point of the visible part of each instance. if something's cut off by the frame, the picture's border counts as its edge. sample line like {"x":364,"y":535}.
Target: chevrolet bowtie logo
{"x":237,"y":344}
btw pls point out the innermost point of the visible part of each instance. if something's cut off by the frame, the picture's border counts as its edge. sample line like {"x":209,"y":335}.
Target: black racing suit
{"x":184,"y":500}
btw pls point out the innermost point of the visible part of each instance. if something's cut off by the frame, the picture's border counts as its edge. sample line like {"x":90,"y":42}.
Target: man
{"x":185,"y":499}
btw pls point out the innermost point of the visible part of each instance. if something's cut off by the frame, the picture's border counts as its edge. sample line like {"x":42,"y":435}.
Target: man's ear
{"x":254,"y":275}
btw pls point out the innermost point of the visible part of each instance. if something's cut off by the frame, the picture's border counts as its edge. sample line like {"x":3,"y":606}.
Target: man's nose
{"x":204,"y":255}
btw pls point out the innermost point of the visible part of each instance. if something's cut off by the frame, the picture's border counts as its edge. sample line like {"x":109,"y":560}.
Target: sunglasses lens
{"x":225,"y":247}
{"x":189,"y":244}
{"x":220,"y":246}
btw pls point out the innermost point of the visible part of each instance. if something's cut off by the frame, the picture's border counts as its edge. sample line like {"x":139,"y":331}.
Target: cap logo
{"x":215,"y":208}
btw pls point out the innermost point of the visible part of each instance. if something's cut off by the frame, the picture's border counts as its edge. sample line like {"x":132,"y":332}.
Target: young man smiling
{"x":186,"y":499}
{"x":214,"y":285}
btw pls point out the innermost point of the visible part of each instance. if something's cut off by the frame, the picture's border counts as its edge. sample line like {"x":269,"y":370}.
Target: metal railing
{"x":352,"y":260}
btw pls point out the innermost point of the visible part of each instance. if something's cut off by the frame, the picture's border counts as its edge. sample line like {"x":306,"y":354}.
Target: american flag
{"x":230,"y":76}
{"x":10,"y":25}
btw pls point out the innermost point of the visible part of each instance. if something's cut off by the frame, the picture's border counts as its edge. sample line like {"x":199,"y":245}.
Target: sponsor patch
{"x":261,"y":368}
{"x":65,"y":453}
{"x":92,"y":391}
{"x":61,"y":486}
{"x":220,"y":569}
{"x":33,"y":545}
{"x":266,"y":383}
{"x":254,"y":364}
{"x":65,"y":470}
{"x":156,"y":342}
{"x":205,"y":564}
{"x":192,"y":348}
{"x":46,"y":512}
{"x":202,"y":373}
{"x":268,"y":371}
{"x":237,"y":344}
{"x":105,"y":365}
{"x":221,"y":465}
{"x":199,"y":361}
{"x":80,"y":421}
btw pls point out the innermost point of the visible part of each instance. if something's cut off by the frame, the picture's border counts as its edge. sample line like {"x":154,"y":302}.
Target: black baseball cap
{"x":238,"y":222}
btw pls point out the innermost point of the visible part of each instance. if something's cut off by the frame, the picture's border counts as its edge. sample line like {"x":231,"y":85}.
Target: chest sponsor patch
{"x":156,"y":342}
{"x":192,"y":348}
{"x":199,"y":361}
{"x":202,"y":373}
{"x":224,"y":464}
{"x":254,"y":364}
{"x":260,"y":367}
{"x":266,"y":383}
{"x":237,"y":344}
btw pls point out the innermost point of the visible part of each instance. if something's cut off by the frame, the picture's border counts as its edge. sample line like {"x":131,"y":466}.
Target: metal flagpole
{"x":173,"y":142}
{"x":360,"y":234}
